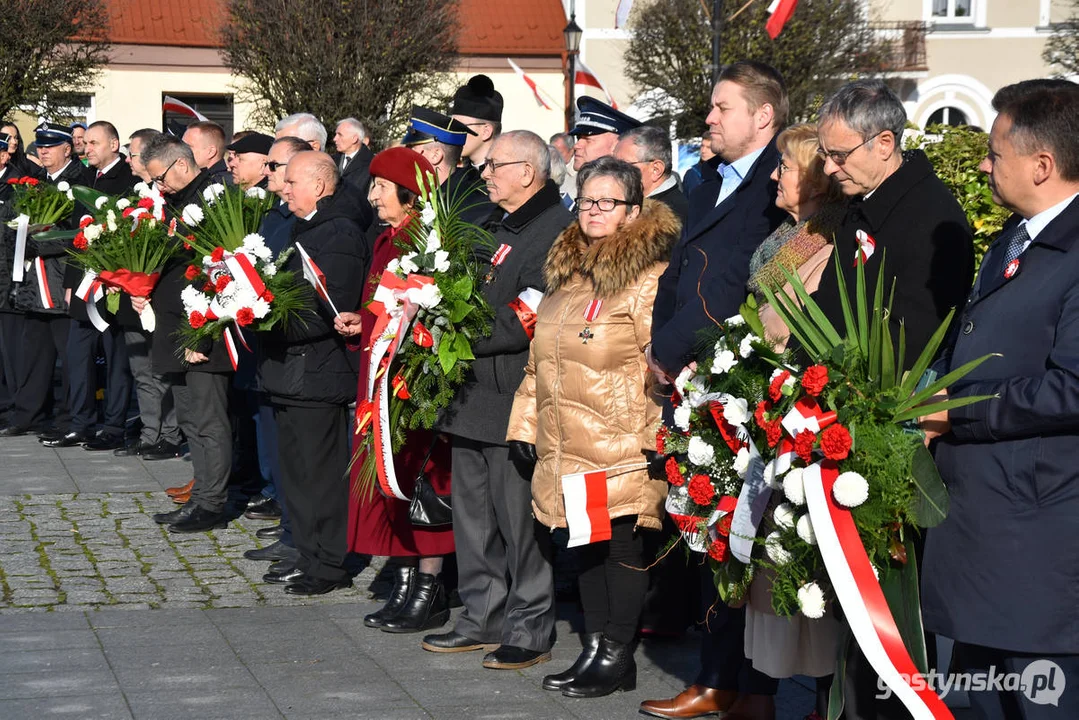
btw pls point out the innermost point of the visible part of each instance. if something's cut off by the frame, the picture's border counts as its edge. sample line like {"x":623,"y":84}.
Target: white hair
{"x":355,"y":125}
{"x":307,"y":126}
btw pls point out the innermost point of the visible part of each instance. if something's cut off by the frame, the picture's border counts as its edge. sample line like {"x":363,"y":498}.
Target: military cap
{"x":479,"y":99}
{"x":595,"y":117}
{"x":82,"y":125}
{"x":426,"y":125}
{"x":49,"y":134}
{"x":253,"y":143}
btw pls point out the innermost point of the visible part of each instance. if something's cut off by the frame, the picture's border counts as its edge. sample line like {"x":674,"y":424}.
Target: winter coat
{"x":586,"y":400}
{"x":307,"y":362}
{"x":481,"y":409}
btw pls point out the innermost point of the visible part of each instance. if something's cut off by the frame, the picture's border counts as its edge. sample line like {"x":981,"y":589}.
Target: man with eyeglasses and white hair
{"x":304,"y":126}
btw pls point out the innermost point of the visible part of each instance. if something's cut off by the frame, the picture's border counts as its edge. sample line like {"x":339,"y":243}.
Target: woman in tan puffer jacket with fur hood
{"x":586,"y":403}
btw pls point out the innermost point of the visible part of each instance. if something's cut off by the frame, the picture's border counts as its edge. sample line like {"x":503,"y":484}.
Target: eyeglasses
{"x":584,"y":204}
{"x":782,"y":168}
{"x":161,"y":178}
{"x":839,"y":157}
{"x":274,"y":165}
{"x":493,"y":165}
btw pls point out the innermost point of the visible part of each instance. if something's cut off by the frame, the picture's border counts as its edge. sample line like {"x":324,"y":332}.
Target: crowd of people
{"x":632,"y":262}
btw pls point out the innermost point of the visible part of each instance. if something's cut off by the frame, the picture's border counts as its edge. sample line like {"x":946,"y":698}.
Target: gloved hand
{"x":523,"y":455}
{"x":657,"y":464}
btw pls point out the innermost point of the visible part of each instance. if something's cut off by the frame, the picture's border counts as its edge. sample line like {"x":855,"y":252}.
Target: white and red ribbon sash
{"x":585,"y":498}
{"x":500,"y":254}
{"x":807,"y":415}
{"x":866,"y":247}
{"x":230,"y":348}
{"x":243,"y":272}
{"x":860,"y":595}
{"x":525,"y":305}
{"x":593,"y":309}
{"x":43,"y":285}
{"x":18,"y":267}
{"x":90,"y":291}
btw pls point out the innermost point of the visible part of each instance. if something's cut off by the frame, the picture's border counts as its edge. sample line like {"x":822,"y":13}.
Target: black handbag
{"x":427,"y":508}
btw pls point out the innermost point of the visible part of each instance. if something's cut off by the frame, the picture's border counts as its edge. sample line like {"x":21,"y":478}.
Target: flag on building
{"x":621,"y":14}
{"x":173,"y":105}
{"x":780,"y":12}
{"x":530,"y":83}
{"x":585,"y":76}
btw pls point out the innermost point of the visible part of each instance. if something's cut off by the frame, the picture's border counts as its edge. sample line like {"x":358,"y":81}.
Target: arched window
{"x":947,"y":116}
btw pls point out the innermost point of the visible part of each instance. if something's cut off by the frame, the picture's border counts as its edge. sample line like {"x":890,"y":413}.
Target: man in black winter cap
{"x":478,"y":106}
{"x":248,"y":158}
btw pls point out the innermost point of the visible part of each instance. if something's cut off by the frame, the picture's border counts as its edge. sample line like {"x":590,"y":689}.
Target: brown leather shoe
{"x":181,"y":499}
{"x":752,"y":707}
{"x":693,"y":702}
{"x":180,"y":489}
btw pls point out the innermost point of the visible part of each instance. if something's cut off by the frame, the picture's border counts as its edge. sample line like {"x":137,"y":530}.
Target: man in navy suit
{"x":705,"y":283}
{"x":1001,"y":573}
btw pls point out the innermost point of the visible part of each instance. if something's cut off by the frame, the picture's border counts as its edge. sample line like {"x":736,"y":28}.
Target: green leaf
{"x":795,"y":330}
{"x":860,"y":302}
{"x":923,"y":410}
{"x":820,"y":320}
{"x":887,"y":358}
{"x":87,"y":196}
{"x":933,"y":388}
{"x":844,"y":299}
{"x":900,"y":587}
{"x":112,"y":302}
{"x":751,"y":314}
{"x":463,"y":286}
{"x":930,"y":506}
{"x":459,"y":311}
{"x":902,"y":356}
{"x":463,"y":348}
{"x":447,"y":358}
{"x":928,"y":353}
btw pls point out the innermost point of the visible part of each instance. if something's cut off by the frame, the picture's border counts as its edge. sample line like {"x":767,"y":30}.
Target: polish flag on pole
{"x":530,"y":83}
{"x":781,"y":11}
{"x":315,"y":276}
{"x":585,"y":76}
{"x":621,"y":15}
{"x":171,"y":104}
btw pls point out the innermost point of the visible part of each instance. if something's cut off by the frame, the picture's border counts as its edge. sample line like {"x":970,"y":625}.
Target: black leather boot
{"x":427,"y":607}
{"x":612,"y":669}
{"x":560,"y":680}
{"x":404,"y":579}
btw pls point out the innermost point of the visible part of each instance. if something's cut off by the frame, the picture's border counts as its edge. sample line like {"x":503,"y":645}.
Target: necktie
{"x":344,"y":162}
{"x":99,"y":174}
{"x":1016,"y":242}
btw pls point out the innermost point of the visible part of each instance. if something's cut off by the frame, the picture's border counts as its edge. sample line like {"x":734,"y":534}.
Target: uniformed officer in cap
{"x":478,"y":106}
{"x":597,"y":130}
{"x":441,"y":139}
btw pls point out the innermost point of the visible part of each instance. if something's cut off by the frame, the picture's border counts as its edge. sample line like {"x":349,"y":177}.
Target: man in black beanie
{"x":479,"y":106}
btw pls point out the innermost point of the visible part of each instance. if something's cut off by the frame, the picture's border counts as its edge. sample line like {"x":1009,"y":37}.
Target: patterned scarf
{"x":790,"y":245}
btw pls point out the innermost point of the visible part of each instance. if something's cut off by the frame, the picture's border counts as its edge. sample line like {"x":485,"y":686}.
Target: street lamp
{"x":572,"y":33}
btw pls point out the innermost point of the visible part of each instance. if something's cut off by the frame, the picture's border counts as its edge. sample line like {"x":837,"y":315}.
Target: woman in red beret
{"x":380,"y":525}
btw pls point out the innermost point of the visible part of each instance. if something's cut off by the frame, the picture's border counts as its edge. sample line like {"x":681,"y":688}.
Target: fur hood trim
{"x":614,"y":263}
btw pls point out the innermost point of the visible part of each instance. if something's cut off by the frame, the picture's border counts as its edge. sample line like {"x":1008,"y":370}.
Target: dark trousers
{"x":503,"y":577}
{"x":202,"y":407}
{"x":82,"y":343}
{"x":723,"y":647}
{"x":1050,"y":692}
{"x":313,"y":449}
{"x":613,"y":583}
{"x":157,"y":409}
{"x":43,"y":340}
{"x":10,"y":333}
{"x":266,"y":429}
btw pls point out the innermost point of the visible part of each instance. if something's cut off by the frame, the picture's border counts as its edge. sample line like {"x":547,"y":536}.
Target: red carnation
{"x":835,"y":442}
{"x":86,"y":220}
{"x":79,"y":242}
{"x":222,"y":282}
{"x":773,"y":430}
{"x":145,"y":202}
{"x":217,"y":254}
{"x":127,"y":211}
{"x":701,"y":490}
{"x":762,"y":407}
{"x":244,"y":317}
{"x":208,"y":287}
{"x":196,"y":319}
{"x":13,"y":181}
{"x":267,"y":296}
{"x":192,"y":272}
{"x":674,"y":475}
{"x":775,"y":390}
{"x":32,"y":182}
{"x":719,"y":550}
{"x":661,"y":439}
{"x":814,"y":379}
{"x":803,"y":445}
{"x":186,"y":246}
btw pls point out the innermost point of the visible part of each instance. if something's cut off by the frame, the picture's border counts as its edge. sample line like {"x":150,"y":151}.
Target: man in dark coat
{"x":478,"y":106}
{"x":353,"y":155}
{"x":704,"y":284}
{"x":207,"y":141}
{"x":1001,"y":573}
{"x":704,"y":170}
{"x":200,"y":375}
{"x":10,"y":319}
{"x":649,"y":150}
{"x":505,"y":579}
{"x":112,"y":176}
{"x":310,"y":376}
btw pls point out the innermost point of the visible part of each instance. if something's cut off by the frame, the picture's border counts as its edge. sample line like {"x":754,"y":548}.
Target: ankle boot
{"x":560,"y":680}
{"x":612,"y":669}
{"x":404,"y":577}
{"x":426,"y":608}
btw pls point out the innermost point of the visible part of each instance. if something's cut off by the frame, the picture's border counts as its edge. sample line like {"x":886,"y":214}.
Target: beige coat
{"x":589,"y":405}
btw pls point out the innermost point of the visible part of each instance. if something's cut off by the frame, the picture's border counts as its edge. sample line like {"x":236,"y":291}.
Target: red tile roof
{"x":488,"y":27}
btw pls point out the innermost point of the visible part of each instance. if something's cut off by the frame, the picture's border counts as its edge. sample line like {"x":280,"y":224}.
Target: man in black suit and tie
{"x":706,"y":283}
{"x":353,"y":156}
{"x":1001,"y":573}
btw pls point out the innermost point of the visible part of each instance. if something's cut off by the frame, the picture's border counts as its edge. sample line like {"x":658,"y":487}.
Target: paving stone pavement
{"x":104,"y":614}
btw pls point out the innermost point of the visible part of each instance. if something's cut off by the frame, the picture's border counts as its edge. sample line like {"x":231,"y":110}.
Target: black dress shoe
{"x":273,"y":532}
{"x":278,"y":567}
{"x":307,"y":585}
{"x":200,"y":520}
{"x":263,"y":508}
{"x":168,"y":518}
{"x":560,"y":680}
{"x":283,"y":578}
{"x":404,"y":577}
{"x":52,"y":435}
{"x":426,"y":608}
{"x":70,"y":439}
{"x":276,"y":551}
{"x":132,"y":449}
{"x":612,"y":669}
{"x":105,"y":441}
{"x":15,"y":430}
{"x":162,"y":451}
{"x":511,"y":657}
{"x":452,"y":642}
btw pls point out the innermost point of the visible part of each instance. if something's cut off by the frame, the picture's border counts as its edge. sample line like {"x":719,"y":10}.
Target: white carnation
{"x":110,"y":220}
{"x":260,"y":308}
{"x":700,"y":452}
{"x":850,"y":489}
{"x":63,"y":186}
{"x":210,"y":194}
{"x":194,"y":301}
{"x":794,"y":488}
{"x":92,"y":232}
{"x":427,"y":215}
{"x":736,"y":411}
{"x":734,"y":321}
{"x":192,"y":215}
{"x":804,"y":526}
{"x":393,"y":265}
{"x":123,"y":204}
{"x":427,"y":295}
{"x":741,"y":462}
{"x":102,"y":201}
{"x":269,"y":269}
{"x":256,"y":192}
{"x":408,"y":264}
{"x":142,"y":189}
{"x":433,"y":241}
{"x":811,"y":600}
{"x":773,"y":547}
{"x":681,"y":416}
{"x":745,"y":349}
{"x":783,"y":516}
{"x":70,"y":195}
{"x":442,"y":261}
{"x":770,"y":477}
{"x":724,"y":361}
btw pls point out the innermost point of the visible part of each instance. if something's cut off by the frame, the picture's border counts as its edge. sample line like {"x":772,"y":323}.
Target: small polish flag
{"x":621,"y":15}
{"x":585,"y":495}
{"x":530,"y":83}
{"x":780,"y":12}
{"x":171,"y":104}
{"x":585,"y":76}
{"x":866,"y":247}
{"x":315,"y":276}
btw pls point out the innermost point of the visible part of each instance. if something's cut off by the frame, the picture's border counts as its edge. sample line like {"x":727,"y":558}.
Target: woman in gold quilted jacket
{"x":586,"y":404}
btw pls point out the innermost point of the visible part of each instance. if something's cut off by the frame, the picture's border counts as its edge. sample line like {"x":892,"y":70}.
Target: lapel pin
{"x":1011,"y":269}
